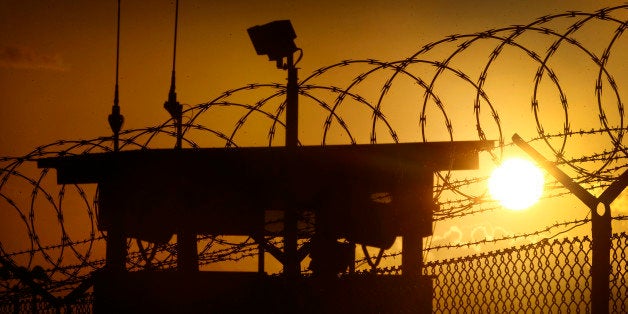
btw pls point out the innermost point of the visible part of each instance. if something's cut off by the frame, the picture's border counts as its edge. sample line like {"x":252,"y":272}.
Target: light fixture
{"x":274,"y":39}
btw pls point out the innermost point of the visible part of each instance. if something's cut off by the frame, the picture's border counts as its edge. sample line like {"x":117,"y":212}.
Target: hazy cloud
{"x":453,"y":235}
{"x":488,"y":232}
{"x":27,"y":58}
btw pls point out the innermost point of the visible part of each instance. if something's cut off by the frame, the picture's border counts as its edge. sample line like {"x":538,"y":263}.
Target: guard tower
{"x":153,"y":194}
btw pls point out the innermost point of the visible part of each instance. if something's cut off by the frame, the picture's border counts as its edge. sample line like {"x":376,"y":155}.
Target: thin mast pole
{"x":115,"y":118}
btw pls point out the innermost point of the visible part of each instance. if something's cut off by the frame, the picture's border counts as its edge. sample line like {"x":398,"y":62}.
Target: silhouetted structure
{"x":545,"y":285}
{"x":226,"y":192}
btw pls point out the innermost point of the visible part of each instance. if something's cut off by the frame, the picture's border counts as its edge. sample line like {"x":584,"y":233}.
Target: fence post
{"x":600,"y":267}
{"x":600,"y":224}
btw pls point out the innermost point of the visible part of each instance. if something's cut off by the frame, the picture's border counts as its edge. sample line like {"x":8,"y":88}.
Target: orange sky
{"x":57,"y":63}
{"x":57,"y":57}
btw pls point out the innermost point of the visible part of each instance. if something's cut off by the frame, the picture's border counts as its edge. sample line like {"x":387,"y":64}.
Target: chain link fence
{"x":619,"y":273}
{"x":551,"y":276}
{"x":36,"y":304}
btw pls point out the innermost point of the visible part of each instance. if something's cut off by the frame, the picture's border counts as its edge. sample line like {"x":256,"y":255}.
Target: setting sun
{"x":517,"y":184}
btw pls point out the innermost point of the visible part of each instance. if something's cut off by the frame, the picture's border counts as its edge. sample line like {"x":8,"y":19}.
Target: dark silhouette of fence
{"x":546,"y":277}
{"x":549,"y":276}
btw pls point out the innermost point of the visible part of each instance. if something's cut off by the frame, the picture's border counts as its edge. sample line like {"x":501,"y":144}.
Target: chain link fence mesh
{"x":618,"y":283}
{"x":548,"y":277}
{"x":551,"y":276}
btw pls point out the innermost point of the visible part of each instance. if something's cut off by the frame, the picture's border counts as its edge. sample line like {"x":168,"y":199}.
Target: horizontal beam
{"x":434,"y":156}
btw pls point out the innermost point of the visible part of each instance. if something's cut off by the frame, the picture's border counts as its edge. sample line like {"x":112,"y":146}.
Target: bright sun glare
{"x":517,"y":184}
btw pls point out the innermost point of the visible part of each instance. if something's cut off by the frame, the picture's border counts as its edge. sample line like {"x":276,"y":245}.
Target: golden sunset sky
{"x":57,"y":68}
{"x":57,"y":58}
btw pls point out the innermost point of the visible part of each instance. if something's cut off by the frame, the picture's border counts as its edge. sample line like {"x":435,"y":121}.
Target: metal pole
{"x":601,"y":232}
{"x":115,"y":118}
{"x":600,"y":229}
{"x":292,"y":263}
{"x":292,"y":266}
{"x":187,"y":251}
{"x":115,"y":249}
{"x":417,"y":191}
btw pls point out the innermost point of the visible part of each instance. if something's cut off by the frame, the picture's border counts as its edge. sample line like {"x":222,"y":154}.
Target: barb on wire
{"x":372,"y":101}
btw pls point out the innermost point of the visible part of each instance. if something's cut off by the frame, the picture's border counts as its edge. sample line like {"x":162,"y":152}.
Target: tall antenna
{"x":172,"y":105}
{"x":115,"y":118}
{"x":187,"y":251}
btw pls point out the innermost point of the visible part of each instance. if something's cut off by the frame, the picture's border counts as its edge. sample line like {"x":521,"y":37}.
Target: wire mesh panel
{"x":35,"y":304}
{"x":618,"y":280}
{"x":546,"y":277}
